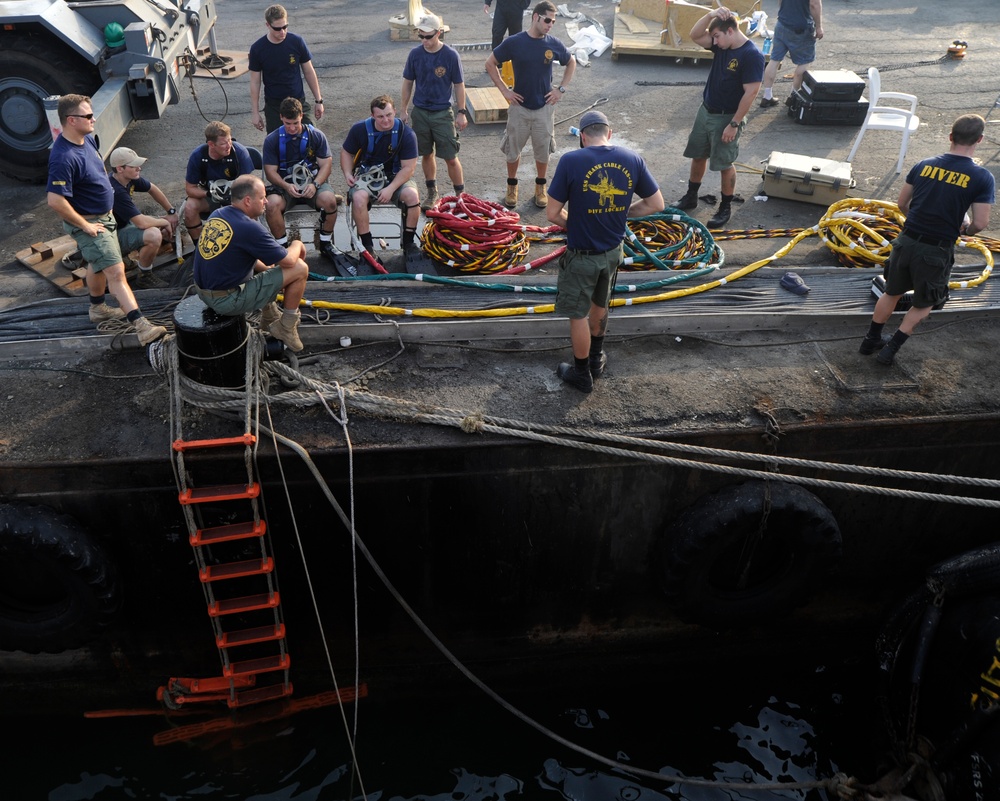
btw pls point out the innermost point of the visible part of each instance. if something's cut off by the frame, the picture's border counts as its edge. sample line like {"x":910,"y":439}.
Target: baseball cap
{"x":429,"y":23}
{"x":125,"y":157}
{"x":593,"y":118}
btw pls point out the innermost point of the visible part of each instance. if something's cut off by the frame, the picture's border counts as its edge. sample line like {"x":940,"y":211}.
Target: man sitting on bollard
{"x":232,"y":275}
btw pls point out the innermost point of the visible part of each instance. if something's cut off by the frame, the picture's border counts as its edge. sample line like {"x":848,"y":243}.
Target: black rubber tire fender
{"x":721,"y":573}
{"x":58,"y":589}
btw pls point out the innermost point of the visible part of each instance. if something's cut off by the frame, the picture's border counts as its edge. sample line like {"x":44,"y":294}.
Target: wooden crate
{"x":486,"y":105}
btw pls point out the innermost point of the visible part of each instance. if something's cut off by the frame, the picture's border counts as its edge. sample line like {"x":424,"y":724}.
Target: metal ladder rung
{"x":250,"y":567}
{"x":224,"y":492}
{"x":232,"y":639}
{"x":265,"y":664}
{"x":233,"y":531}
{"x":182,"y":446}
{"x":249,"y":603}
{"x":261,"y":694}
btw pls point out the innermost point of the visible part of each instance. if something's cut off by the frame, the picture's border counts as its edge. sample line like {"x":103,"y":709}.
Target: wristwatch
{"x":171,"y":210}
{"x":318,"y":103}
{"x":562,"y":89}
{"x":462,"y":111}
{"x":734,"y":124}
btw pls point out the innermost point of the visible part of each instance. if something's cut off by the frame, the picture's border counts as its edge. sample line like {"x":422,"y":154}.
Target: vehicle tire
{"x":57,"y":588}
{"x":33,"y":67}
{"x":719,"y":573}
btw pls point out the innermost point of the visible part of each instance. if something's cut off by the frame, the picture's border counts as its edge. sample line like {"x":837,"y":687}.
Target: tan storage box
{"x":811,"y":180}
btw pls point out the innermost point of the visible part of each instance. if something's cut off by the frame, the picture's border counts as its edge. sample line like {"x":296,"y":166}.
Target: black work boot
{"x":596,"y":364}
{"x":870,"y":345}
{"x":688,"y":202}
{"x":575,"y":377}
{"x":721,"y":217}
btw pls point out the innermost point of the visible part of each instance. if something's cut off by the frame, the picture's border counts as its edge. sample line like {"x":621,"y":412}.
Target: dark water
{"x":461,"y":746}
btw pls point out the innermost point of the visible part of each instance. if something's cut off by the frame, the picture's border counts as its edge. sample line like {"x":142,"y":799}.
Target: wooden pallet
{"x":46,"y":259}
{"x":486,"y":105}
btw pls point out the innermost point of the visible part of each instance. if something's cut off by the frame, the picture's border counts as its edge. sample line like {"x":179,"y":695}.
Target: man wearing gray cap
{"x":598,"y":183}
{"x":138,"y":231}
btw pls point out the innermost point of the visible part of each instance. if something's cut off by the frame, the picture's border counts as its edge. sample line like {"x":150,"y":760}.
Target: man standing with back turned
{"x":714,"y":142}
{"x":598,"y":183}
{"x":799,"y":27}
{"x":80,"y":192}
{"x":532,"y":100}
{"x":935,"y":199}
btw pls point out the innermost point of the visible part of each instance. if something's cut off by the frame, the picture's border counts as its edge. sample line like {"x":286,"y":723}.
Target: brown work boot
{"x":147,"y":332}
{"x":541,"y":198}
{"x":268,"y":315}
{"x":287,"y":332}
{"x":102,"y":311}
{"x":510,"y":200}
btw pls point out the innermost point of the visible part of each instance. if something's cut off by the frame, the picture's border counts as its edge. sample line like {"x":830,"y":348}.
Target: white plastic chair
{"x":888,"y":118}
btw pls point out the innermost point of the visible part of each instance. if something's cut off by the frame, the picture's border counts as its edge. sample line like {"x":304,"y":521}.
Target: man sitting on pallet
{"x":298,"y":163}
{"x":211,"y":169}
{"x":379,"y":157}
{"x":231,"y":272}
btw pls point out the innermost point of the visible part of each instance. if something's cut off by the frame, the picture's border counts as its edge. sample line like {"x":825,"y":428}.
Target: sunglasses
{"x":427,"y":36}
{"x":82,"y":116}
{"x":546,"y":20}
{"x":278,"y":27}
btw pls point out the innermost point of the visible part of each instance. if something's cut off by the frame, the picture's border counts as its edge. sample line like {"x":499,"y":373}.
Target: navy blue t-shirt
{"x":795,"y":14}
{"x":308,"y":146}
{"x":599,"y":182}
{"x":532,"y":61}
{"x":434,"y":75}
{"x":943,"y":189}
{"x":201,"y":168}
{"x":77,"y":173}
{"x":229,"y":247}
{"x":280,"y":66}
{"x":125,"y":208}
{"x":406,"y":147}
{"x":730,"y":70}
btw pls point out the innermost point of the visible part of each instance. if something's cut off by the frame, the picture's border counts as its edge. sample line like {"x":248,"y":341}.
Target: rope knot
{"x":472,"y":424}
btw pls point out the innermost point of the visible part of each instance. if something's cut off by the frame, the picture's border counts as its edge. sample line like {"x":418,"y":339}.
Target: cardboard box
{"x":806,"y":178}
{"x":842,"y":86}
{"x":826,"y":112}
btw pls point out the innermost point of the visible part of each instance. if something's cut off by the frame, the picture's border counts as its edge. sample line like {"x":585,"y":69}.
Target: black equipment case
{"x":842,"y":86}
{"x":826,"y":112}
